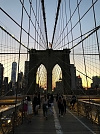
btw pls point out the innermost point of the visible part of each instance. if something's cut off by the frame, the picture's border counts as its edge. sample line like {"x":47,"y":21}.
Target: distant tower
{"x":6,"y":83}
{"x":26,"y":71}
{"x":78,"y":82}
{"x":73,"y":76}
{"x":1,"y":74}
{"x":13,"y":73}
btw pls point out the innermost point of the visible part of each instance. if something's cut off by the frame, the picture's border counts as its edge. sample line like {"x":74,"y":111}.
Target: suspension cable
{"x":19,"y":26}
{"x":58,"y":8}
{"x":44,"y":18}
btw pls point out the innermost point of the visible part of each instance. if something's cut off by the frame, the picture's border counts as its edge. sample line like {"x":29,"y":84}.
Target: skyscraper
{"x":1,"y":74}
{"x":13,"y":73}
{"x":73,"y":76}
{"x":26,"y":71}
{"x":79,"y":82}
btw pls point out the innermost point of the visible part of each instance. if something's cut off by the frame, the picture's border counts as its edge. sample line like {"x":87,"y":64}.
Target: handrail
{"x":8,"y":108}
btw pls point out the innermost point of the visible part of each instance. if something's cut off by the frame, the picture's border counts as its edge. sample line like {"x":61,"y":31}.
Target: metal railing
{"x":9,"y":118}
{"x":88,"y":109}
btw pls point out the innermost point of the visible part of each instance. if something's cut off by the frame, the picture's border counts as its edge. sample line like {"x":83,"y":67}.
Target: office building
{"x":13,"y":73}
{"x":73,"y":77}
{"x":1,"y":74}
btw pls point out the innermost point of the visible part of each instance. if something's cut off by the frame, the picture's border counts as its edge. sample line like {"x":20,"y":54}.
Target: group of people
{"x":31,"y":106}
{"x":47,"y":104}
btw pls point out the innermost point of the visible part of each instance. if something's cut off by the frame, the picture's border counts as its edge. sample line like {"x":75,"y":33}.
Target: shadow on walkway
{"x":70,"y":123}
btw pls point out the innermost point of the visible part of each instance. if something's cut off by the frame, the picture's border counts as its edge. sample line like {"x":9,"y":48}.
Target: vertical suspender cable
{"x":96,"y":31}
{"x":82,"y":46}
{"x":18,"y":64}
{"x":71,"y":30}
{"x":44,"y":18}
{"x":58,"y":8}
{"x":29,"y":28}
{"x":66,"y":23}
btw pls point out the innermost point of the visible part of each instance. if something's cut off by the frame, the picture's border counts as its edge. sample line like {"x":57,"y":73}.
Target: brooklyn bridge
{"x":50,"y":47}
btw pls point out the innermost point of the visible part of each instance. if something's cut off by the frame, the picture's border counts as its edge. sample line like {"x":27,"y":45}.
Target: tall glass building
{"x":1,"y":74}
{"x":13,"y":73}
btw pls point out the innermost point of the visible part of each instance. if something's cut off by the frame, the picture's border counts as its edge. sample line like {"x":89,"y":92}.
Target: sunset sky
{"x":13,"y":8}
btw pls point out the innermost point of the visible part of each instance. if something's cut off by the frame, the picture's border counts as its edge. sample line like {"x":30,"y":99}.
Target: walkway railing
{"x":9,"y":118}
{"x":88,"y":109}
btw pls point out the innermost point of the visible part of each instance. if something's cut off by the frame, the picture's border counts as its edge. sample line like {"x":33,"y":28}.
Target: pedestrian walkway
{"x":70,"y":123}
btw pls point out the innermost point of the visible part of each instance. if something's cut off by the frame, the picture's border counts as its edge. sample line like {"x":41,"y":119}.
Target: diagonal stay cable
{"x":76,"y":70}
{"x":95,"y":29}
{"x":19,"y":25}
{"x":44,"y":18}
{"x":70,"y":76}
{"x":57,"y":14}
{"x":13,"y":37}
{"x":77,"y":22}
{"x":36,"y":20}
{"x":31,"y":20}
{"x":78,"y":37}
{"x":33,"y":69}
{"x":68,"y":20}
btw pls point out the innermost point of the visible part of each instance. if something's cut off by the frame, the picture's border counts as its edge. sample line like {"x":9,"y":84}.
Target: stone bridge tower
{"x":49,"y":58}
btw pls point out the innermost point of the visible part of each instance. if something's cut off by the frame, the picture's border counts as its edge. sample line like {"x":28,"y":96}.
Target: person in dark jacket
{"x":45,"y":106}
{"x":39,"y":102}
{"x":73,"y":101}
{"x":64,"y":102}
{"x":35,"y":103}
{"x":50,"y":104}
{"x":60,"y":106}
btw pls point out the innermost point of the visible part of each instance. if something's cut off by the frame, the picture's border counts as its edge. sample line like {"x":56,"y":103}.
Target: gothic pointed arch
{"x":41,"y":78}
{"x":49,"y":58}
{"x":57,"y":83}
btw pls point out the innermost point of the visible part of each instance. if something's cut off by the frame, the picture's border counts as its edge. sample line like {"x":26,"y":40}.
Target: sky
{"x":13,"y":8}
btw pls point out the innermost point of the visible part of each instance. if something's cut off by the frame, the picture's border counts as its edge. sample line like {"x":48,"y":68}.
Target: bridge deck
{"x":71,"y":123}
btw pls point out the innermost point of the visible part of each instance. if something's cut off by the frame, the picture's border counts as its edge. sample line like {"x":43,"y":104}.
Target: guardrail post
{"x":1,"y":123}
{"x":78,"y":108}
{"x":99,"y":116}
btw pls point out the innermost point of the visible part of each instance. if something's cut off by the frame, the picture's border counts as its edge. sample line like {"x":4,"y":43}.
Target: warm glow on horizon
{"x":41,"y":77}
{"x":56,"y":75}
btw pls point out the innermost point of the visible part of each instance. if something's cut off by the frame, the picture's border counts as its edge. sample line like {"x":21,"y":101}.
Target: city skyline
{"x":42,"y":83}
{"x":84,"y":56}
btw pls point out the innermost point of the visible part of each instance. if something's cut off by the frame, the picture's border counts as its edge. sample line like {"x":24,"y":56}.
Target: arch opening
{"x":41,"y":79}
{"x":57,"y":84}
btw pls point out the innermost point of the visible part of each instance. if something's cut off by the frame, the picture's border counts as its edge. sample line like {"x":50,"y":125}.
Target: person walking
{"x":29,"y":108}
{"x":35,"y":103}
{"x":64,"y":102}
{"x":45,"y":106}
{"x":72,"y":102}
{"x":50,"y":104}
{"x":60,"y":106}
{"x":57,"y":97}
{"x":39,"y":102}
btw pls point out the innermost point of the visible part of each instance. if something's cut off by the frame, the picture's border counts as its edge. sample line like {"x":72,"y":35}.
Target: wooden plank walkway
{"x":68,"y":124}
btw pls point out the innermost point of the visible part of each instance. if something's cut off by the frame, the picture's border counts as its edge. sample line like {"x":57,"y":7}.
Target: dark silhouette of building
{"x":96,"y":82}
{"x":79,"y":82}
{"x":13,"y":72}
{"x":1,"y":74}
{"x":49,"y":59}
